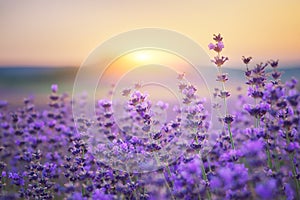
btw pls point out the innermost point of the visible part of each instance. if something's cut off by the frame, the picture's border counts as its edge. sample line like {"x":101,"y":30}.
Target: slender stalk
{"x":131,"y":181}
{"x":269,"y":158}
{"x":294,"y":171}
{"x":83,"y":192}
{"x":231,"y":139}
{"x":204,"y":175}
{"x":209,"y":166}
{"x":277,"y":164}
{"x":3,"y":183}
{"x":226,"y":111}
{"x":168,"y":170}
{"x":166,"y":181}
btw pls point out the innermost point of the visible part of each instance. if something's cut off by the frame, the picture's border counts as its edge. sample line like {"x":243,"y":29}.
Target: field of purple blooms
{"x":255,"y":156}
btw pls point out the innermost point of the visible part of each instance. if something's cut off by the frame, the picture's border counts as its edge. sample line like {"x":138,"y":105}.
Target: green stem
{"x":204,"y":175}
{"x":231,"y":138}
{"x":269,"y":157}
{"x":294,"y":171}
{"x":83,"y":191}
{"x":199,"y":197}
{"x":249,"y":183}
{"x":208,"y":162}
{"x":3,"y":183}
{"x":226,"y":112}
{"x":205,"y":178}
{"x":276,"y":159}
{"x":134,"y":191}
{"x":168,"y":170}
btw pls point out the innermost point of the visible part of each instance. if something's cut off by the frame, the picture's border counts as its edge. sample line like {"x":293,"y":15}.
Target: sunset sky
{"x":64,"y":32}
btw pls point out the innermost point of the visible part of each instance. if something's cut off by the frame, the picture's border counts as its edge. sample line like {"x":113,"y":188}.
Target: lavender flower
{"x":267,"y":190}
{"x":256,"y":156}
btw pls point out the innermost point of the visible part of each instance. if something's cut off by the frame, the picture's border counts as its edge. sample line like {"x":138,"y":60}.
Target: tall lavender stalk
{"x":219,"y":61}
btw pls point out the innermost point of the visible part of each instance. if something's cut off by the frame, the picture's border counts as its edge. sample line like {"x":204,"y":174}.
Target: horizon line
{"x":72,"y":66}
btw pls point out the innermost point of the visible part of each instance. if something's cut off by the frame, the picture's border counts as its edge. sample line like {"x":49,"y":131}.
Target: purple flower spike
{"x":228,"y":119}
{"x":54,"y":88}
{"x":289,"y":192}
{"x":224,"y":94}
{"x":274,"y":63}
{"x":222,"y":78}
{"x":219,"y":61}
{"x":220,"y":45}
{"x":266,"y":190}
{"x":211,"y":46}
{"x":46,"y":152}
{"x":246,"y":60}
{"x":3,"y":104}
{"x":217,"y":38}
{"x":100,"y":194}
{"x":276,"y":75}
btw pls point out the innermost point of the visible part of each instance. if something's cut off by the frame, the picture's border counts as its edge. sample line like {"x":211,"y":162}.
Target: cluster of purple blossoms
{"x":43,"y":155}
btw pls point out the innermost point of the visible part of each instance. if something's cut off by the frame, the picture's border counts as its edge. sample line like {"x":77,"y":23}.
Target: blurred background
{"x":45,"y":42}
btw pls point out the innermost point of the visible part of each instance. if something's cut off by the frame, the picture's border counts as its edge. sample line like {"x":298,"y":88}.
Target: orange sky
{"x":64,"y":32}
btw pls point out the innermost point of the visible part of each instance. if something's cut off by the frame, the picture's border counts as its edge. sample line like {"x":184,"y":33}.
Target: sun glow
{"x":142,"y":56}
{"x":146,"y":57}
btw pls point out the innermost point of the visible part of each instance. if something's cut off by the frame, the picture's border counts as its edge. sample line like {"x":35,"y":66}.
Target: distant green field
{"x":19,"y":82}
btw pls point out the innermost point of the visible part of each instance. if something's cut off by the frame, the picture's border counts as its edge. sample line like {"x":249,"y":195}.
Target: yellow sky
{"x":64,"y":32}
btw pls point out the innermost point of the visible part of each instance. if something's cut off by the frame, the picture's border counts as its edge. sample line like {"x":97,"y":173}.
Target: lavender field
{"x":48,"y":153}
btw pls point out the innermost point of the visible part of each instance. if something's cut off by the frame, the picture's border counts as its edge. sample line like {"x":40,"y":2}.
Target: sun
{"x":141,"y":56}
{"x":144,"y":58}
